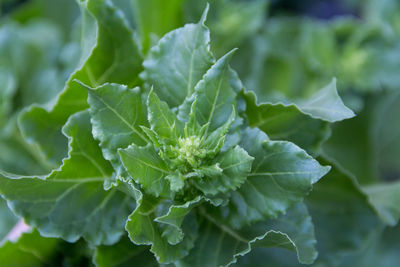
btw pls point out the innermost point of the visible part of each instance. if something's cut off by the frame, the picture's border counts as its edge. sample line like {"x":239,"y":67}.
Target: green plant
{"x":156,"y":153}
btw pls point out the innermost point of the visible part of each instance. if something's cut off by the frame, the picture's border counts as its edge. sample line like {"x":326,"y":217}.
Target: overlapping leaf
{"x":107,"y":54}
{"x":282,"y":174}
{"x":71,"y":202}
{"x":178,"y":62}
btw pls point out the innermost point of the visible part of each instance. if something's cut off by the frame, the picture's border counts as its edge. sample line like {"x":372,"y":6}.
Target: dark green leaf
{"x":71,"y":202}
{"x":123,"y":254}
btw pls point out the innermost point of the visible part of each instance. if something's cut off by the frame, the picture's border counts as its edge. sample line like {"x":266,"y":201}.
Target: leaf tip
{"x":204,"y":15}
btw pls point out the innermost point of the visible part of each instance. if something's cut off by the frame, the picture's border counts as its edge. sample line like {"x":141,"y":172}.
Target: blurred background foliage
{"x":288,"y":50}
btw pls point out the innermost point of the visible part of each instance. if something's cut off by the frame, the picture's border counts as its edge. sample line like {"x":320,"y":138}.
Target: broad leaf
{"x":385,"y":198}
{"x":72,"y":202}
{"x":123,"y":254}
{"x":382,"y":250}
{"x":281,"y":175}
{"x":336,"y":204}
{"x":220,"y":244}
{"x":358,"y":158}
{"x":155,"y":18}
{"x":384,"y":135}
{"x":178,"y":62}
{"x":106,"y":55}
{"x":31,"y":249}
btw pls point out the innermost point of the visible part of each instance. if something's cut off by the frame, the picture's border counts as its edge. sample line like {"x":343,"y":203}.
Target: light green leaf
{"x":143,"y":230}
{"x":215,"y":95}
{"x":123,"y":254}
{"x":326,"y":105}
{"x":176,"y":181}
{"x":235,"y":165}
{"x":215,"y":140}
{"x":106,"y":55}
{"x":162,"y":120}
{"x":282,"y":174}
{"x":385,"y":198}
{"x":155,"y":18}
{"x":179,"y":60}
{"x":116,"y":115}
{"x":286,"y":122}
{"x":147,"y":168}
{"x":71,"y":203}
{"x":235,"y":22}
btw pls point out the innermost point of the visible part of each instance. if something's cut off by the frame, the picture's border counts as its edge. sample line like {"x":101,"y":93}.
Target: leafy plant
{"x":156,"y":153}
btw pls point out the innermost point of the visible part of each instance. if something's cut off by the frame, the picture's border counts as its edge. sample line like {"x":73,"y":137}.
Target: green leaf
{"x":7,"y":91}
{"x":385,"y":199}
{"x":176,"y":181}
{"x":116,"y":115}
{"x":147,"y":168}
{"x":17,"y":156}
{"x":220,"y":244}
{"x":143,"y":230}
{"x":7,"y":220}
{"x":384,"y":134}
{"x":30,"y":250}
{"x":336,"y":205}
{"x":106,"y":55}
{"x":382,"y":250}
{"x":286,"y":122}
{"x":326,"y":105}
{"x":235,"y":165}
{"x":174,"y":219}
{"x":215,"y":95}
{"x":155,"y":18}
{"x":358,"y":158}
{"x":215,"y":140}
{"x":282,"y":174}
{"x":162,"y":120}
{"x":31,"y":61}
{"x":71,"y":202}
{"x":123,"y":254}
{"x":179,"y":61}
{"x":235,"y":22}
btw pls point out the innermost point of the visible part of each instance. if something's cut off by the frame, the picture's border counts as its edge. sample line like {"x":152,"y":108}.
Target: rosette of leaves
{"x":176,"y":167}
